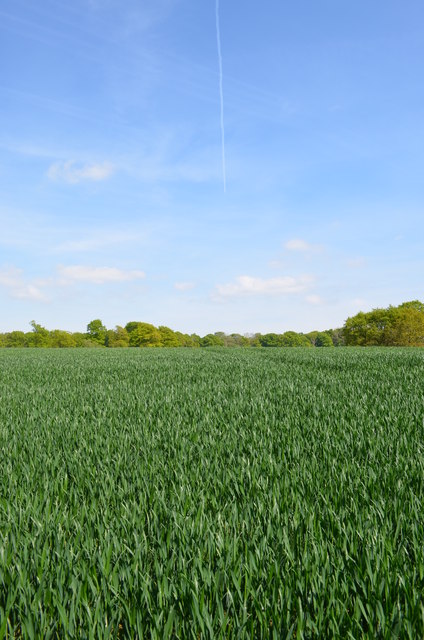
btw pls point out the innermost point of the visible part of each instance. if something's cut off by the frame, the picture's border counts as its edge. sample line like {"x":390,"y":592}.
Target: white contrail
{"x":221,"y":93}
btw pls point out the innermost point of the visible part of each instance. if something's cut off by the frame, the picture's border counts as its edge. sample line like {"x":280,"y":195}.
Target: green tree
{"x":336,"y":336}
{"x":81,"y":339}
{"x":212,"y":340}
{"x":15,"y":339}
{"x":287,"y":339}
{"x":117,"y":338}
{"x":237,"y":340}
{"x":62,"y":339}
{"x":168,"y":338}
{"x":96,"y":331}
{"x":407,"y":327}
{"x":184,"y":340}
{"x":312,"y":336}
{"x":39,"y":337}
{"x":131,"y":326}
{"x":143,"y":334}
{"x":195,"y":340}
{"x":367,"y":329}
{"x":355,"y":330}
{"x":412,"y":304}
{"x":394,"y":326}
{"x":255,"y":340}
{"x":271,"y":340}
{"x":293,"y":339}
{"x":323,"y":340}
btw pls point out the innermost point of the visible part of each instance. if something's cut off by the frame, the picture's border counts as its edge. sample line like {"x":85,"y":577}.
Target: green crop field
{"x":268,"y":493}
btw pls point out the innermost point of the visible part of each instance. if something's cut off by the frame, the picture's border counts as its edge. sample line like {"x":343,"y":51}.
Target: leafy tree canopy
{"x":394,"y":326}
{"x":97,"y":331}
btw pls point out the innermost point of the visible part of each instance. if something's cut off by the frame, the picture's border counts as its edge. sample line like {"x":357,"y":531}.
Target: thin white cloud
{"x":184,"y":286}
{"x":96,"y":242}
{"x":356,"y":263}
{"x":250,"y":286}
{"x":12,"y":279}
{"x":96,"y":275}
{"x":297,"y":244}
{"x":17,"y":286}
{"x":277,"y":264}
{"x":29,"y":292}
{"x":10,"y":276}
{"x":313,"y":299}
{"x":73,"y":173}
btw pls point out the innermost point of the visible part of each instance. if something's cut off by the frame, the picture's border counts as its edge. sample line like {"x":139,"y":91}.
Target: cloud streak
{"x":314,"y":299}
{"x":250,"y":286}
{"x":356,"y":263}
{"x":184,"y":286}
{"x":299,"y":245}
{"x":221,"y":93}
{"x":96,"y":275}
{"x":96,"y":242}
{"x":73,"y":173}
{"x":12,"y":280}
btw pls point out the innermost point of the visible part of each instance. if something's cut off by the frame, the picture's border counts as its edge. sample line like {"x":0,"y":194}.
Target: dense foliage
{"x":143,"y":334}
{"x":258,"y":493}
{"x":394,"y":326}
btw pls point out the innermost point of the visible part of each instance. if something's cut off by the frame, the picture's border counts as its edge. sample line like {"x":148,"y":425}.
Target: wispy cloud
{"x":73,"y":172}
{"x":184,"y":286}
{"x":356,"y":263}
{"x":251,"y":286}
{"x":314,"y":299}
{"x":297,"y":244}
{"x":10,"y":276}
{"x":164,"y":157}
{"x":13,"y":280}
{"x":96,"y":275}
{"x":29,"y":292}
{"x":96,"y":241}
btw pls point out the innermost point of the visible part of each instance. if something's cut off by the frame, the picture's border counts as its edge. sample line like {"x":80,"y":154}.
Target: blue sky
{"x":112,"y":195}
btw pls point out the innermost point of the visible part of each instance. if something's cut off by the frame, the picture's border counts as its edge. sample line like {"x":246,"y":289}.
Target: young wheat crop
{"x":269,"y":493}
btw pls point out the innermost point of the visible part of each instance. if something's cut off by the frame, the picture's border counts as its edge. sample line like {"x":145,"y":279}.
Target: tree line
{"x":393,"y":326}
{"x":401,"y":326}
{"x":143,"y":334}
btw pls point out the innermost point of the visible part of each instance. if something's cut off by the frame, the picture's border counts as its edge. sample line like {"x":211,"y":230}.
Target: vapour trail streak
{"x":221,"y":93}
